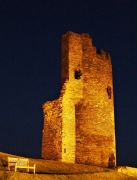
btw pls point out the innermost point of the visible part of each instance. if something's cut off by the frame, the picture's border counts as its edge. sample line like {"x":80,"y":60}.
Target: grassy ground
{"x":54,"y":170}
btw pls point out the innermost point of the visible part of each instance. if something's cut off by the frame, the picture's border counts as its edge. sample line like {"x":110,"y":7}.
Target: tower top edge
{"x":86,"y":37}
{"x":79,"y":34}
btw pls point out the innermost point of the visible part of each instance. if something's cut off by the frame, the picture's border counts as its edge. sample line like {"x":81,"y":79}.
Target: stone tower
{"x":79,"y":125}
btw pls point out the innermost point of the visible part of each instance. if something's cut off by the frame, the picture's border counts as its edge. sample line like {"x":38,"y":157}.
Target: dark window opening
{"x":78,"y":74}
{"x":64,"y":150}
{"x":109,"y":92}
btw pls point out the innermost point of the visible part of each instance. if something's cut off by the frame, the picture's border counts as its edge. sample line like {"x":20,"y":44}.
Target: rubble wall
{"x":52,"y":130}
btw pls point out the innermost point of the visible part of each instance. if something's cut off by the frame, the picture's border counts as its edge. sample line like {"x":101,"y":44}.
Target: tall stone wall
{"x":95,"y":112}
{"x":68,"y":119}
{"x":80,"y":125}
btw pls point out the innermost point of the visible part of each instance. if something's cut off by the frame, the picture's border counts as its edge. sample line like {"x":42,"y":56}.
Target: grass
{"x":54,"y":170}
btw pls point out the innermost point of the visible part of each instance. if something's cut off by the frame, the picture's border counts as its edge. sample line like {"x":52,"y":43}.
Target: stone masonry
{"x":79,"y":126}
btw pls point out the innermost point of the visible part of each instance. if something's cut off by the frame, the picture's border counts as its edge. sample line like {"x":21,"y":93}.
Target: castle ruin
{"x":79,"y":126}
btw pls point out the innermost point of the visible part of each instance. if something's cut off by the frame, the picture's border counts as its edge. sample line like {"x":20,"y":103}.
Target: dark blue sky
{"x":30,"y":57}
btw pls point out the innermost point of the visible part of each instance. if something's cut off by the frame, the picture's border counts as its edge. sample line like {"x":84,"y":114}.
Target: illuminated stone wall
{"x":51,"y":134}
{"x":79,"y":126}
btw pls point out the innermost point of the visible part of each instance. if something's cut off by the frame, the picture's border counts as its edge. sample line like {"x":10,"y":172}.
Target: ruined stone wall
{"x":79,"y":126}
{"x":52,"y":130}
{"x":95,"y":130}
{"x":72,"y":59}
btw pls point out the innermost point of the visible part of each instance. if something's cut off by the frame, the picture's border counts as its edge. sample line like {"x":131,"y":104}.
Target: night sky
{"x":30,"y":58}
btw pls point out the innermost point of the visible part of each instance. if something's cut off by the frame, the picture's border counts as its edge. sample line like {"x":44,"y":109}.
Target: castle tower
{"x":79,"y":125}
